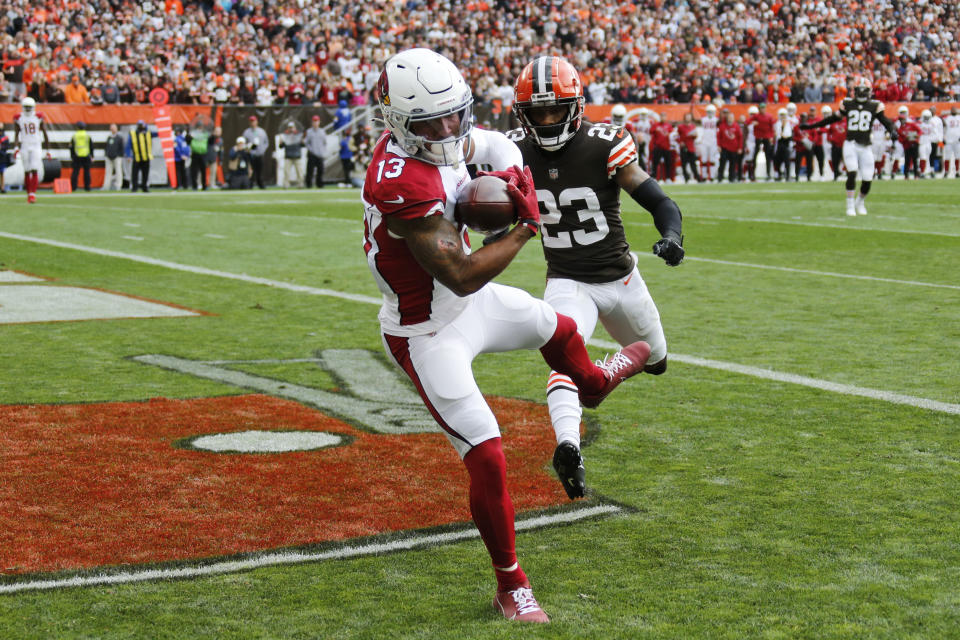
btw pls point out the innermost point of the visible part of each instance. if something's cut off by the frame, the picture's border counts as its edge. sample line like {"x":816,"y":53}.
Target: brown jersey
{"x":582,"y":231}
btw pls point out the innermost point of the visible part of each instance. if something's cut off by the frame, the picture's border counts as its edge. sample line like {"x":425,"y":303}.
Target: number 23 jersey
{"x":582,"y":231}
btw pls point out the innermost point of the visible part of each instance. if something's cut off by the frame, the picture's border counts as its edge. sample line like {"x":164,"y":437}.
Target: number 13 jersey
{"x":582,"y":231}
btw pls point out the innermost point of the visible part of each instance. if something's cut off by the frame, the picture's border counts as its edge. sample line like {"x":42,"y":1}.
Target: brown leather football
{"x":484,"y":205}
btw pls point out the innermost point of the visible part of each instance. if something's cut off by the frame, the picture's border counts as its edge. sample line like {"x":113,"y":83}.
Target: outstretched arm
{"x":885,"y":121}
{"x":834,"y":117}
{"x":666,"y":214}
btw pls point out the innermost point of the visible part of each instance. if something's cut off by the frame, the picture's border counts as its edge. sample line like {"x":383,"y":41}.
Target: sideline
{"x":260,"y":561}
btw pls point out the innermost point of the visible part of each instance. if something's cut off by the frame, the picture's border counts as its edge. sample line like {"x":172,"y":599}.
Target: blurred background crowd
{"x":289,"y":52}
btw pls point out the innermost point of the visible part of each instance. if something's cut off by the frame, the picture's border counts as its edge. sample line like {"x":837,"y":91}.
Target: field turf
{"x":795,"y":474}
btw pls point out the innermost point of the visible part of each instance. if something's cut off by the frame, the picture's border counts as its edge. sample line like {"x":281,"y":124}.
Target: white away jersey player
{"x":31,"y":139}
{"x":398,"y":184}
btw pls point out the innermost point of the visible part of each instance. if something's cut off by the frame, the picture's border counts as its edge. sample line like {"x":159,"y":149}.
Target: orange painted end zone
{"x":85,"y":486}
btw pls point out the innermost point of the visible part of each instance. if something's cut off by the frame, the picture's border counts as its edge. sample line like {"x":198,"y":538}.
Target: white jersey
{"x":937,"y":123}
{"x":951,"y":128}
{"x":28,"y":124}
{"x":643,"y":130}
{"x":708,"y":131}
{"x":928,"y":134}
{"x":399,"y":185}
{"x":878,"y":133}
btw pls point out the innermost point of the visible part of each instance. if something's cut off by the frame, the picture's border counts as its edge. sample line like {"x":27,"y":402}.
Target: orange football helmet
{"x":549,"y":81}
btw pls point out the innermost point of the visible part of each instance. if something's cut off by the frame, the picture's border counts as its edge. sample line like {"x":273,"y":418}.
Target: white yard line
{"x":407,"y":543}
{"x":830,"y":274}
{"x":825,"y":385}
{"x":798,"y":223}
{"x":887,"y":396}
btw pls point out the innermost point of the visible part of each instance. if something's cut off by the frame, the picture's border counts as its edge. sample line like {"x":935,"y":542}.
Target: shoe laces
{"x":614,"y":364}
{"x":523,"y":598}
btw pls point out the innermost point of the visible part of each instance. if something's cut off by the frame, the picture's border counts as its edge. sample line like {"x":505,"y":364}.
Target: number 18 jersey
{"x":581,"y":227}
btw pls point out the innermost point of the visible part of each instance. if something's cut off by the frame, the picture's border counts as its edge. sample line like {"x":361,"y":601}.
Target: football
{"x":484,"y":205}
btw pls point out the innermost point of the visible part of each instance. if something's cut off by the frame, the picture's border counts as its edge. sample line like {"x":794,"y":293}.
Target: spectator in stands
{"x":75,"y":92}
{"x":342,"y":117}
{"x":81,"y":156}
{"x":12,"y":65}
{"x":113,"y":165}
{"x":316,"y":143}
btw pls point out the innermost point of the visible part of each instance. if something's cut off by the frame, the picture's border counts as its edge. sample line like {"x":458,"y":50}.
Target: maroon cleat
{"x":520,"y":605}
{"x":624,"y":364}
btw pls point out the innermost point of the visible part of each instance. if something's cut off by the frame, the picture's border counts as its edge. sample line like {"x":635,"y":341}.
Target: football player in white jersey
{"x":936,"y":156}
{"x":440,"y":309}
{"x":750,"y":146}
{"x":709,"y":148}
{"x":880,"y":141}
{"x":926,"y":143}
{"x":951,"y":143}
{"x":31,"y":137}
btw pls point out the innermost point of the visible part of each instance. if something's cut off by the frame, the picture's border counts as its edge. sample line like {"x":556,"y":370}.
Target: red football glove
{"x":510,"y":176}
{"x":524,"y":195}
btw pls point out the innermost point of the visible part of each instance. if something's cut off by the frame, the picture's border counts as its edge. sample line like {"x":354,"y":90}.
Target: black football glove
{"x":670,"y":250}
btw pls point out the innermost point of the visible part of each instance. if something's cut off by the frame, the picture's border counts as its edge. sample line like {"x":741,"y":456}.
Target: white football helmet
{"x":903,"y":110}
{"x":420,"y":84}
{"x":782,"y":113}
{"x":825,"y":110}
{"x":925,"y":114}
{"x":29,"y":104}
{"x":753,"y":109}
{"x":711,"y":110}
{"x":791,"y":109}
{"x":618,"y":115}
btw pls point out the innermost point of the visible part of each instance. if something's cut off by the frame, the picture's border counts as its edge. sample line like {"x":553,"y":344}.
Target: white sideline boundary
{"x":766,"y":374}
{"x":300,"y":557}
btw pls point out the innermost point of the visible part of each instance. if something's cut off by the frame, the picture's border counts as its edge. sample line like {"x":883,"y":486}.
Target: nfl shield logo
{"x":553,"y":173}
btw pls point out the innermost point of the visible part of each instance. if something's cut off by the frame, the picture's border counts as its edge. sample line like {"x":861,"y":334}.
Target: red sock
{"x":566,"y":354}
{"x":490,"y":503}
{"x":34,"y":178}
{"x":510,"y":580}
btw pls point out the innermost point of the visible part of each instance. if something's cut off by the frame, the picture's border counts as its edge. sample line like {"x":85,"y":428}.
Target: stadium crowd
{"x":299,"y":52}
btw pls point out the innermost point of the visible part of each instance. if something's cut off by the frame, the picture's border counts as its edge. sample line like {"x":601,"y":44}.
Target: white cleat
{"x":861,"y":208}
{"x":851,"y":211}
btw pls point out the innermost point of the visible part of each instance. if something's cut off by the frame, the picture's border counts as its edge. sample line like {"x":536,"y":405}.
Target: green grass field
{"x":795,"y":474}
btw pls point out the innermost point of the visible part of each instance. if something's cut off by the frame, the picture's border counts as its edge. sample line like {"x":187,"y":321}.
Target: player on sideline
{"x":860,"y":112}
{"x":440,"y":309}
{"x":30,"y":129}
{"x":579,"y":168}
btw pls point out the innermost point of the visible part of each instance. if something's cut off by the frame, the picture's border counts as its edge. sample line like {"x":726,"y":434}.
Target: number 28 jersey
{"x":581,"y":227}
{"x":860,"y":115}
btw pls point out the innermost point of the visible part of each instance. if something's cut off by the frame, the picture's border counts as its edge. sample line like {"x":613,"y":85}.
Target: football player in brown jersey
{"x":859,"y":111}
{"x":579,"y":168}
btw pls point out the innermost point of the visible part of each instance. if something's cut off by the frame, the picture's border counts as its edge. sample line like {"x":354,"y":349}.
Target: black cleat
{"x":568,"y":463}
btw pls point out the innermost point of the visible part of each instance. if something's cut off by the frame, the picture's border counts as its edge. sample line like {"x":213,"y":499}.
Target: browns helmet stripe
{"x":542,"y":74}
